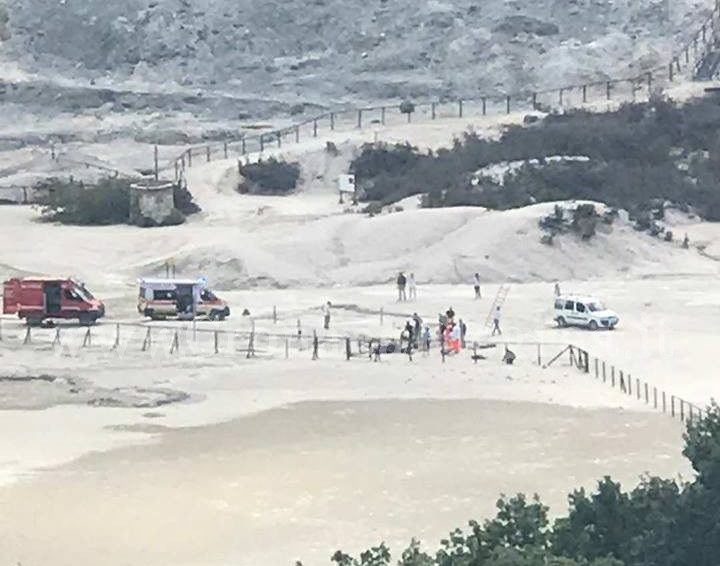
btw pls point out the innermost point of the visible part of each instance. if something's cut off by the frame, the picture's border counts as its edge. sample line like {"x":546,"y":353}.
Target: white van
{"x":588,"y":312}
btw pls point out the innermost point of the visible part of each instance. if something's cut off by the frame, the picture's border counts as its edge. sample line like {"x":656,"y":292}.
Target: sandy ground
{"x":300,"y":482}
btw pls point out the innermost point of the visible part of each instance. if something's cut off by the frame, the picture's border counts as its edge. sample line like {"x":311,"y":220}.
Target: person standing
{"x":557,"y":288}
{"x":417,"y":322}
{"x":496,"y":322}
{"x":426,"y":339}
{"x":476,"y":286}
{"x":401,"y":284}
{"x":463,"y":332}
{"x":412,"y":287}
{"x":326,"y":315}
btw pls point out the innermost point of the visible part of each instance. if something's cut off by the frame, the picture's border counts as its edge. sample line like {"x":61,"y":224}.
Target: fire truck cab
{"x":40,"y":299}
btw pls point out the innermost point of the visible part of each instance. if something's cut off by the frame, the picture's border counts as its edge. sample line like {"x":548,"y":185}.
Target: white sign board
{"x":346,"y":183}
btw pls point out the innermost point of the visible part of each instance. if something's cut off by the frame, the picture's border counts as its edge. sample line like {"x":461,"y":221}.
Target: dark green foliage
{"x":271,"y":177}
{"x":106,"y":203}
{"x":183,"y":200}
{"x":659,"y":523}
{"x":632,"y":158}
{"x":70,"y":202}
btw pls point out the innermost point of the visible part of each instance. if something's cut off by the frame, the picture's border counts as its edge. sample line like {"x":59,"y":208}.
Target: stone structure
{"x":151,"y":200}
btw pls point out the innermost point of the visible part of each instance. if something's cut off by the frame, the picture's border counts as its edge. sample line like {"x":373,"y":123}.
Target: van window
{"x":569,"y":306}
{"x":580,"y":307}
{"x":559,"y":305}
{"x":159,"y":295}
{"x":73,"y":295}
{"x":595,"y":307}
{"x":207,"y":295}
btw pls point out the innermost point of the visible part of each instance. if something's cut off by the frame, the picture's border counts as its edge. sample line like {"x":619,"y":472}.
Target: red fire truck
{"x":40,"y":299}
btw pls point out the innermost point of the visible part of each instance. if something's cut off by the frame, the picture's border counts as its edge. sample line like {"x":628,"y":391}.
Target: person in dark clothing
{"x":463,"y":331}
{"x":401,"y":284}
{"x":450,"y":314}
{"x":417,"y":323}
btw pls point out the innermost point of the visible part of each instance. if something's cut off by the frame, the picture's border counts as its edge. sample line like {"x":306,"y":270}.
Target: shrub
{"x":71,"y":202}
{"x":407,"y":107}
{"x":184,"y":201}
{"x":585,"y":221}
{"x":271,"y":177}
{"x":636,"y":158}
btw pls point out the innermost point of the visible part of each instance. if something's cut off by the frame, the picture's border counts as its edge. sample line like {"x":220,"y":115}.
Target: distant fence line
{"x":626,"y":89}
{"x":250,"y":344}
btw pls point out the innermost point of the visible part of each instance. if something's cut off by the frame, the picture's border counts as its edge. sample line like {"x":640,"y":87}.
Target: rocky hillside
{"x":322,"y":50}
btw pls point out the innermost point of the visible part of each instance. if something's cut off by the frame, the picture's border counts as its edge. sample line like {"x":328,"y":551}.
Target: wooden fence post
{"x":460,"y":108}
{"x":672,"y":405}
{"x":87,"y":341}
{"x":539,"y":353}
{"x":475,"y":354}
{"x":629,"y":382}
{"x":637,"y":389}
{"x":156,"y":168}
{"x":608,"y":89}
{"x":279,"y":138}
{"x":507,"y":104}
{"x":314,"y":128}
{"x":359,"y":119}
{"x":584,"y":91}
{"x":175,"y":344}
{"x":216,"y":337}
{"x":348,"y":350}
{"x":664,"y":403}
{"x":207,"y":153}
{"x":275,"y":318}
{"x":147,"y":343}
{"x":534,"y":100}
{"x":189,"y":159}
{"x":655,"y":398}
{"x":243,"y":142}
{"x":382,"y":115}
{"x":562,"y":92}
{"x":297,"y":134}
{"x":604,"y":373}
{"x":484,"y":106}
{"x":612,"y":374}
{"x":332,"y":120}
{"x":597,"y":368}
{"x":315,"y":346}
{"x":432,"y":110}
{"x":682,"y":410}
{"x":262,"y":143}
{"x":116,"y":345}
{"x":225,"y":150}
{"x":647,"y":394}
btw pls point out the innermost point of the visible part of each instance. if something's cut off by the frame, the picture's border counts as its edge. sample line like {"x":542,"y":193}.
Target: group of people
{"x":407,"y":287}
{"x":451,"y":333}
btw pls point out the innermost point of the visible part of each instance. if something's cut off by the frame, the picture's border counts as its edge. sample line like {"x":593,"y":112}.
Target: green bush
{"x":271,"y":177}
{"x":634,"y":158}
{"x":71,"y":202}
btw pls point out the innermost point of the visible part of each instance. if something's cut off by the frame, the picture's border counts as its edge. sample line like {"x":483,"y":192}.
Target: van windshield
{"x":83,"y":292}
{"x":596,"y":307}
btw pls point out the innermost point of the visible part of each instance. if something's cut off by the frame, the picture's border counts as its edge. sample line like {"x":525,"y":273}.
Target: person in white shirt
{"x":496,"y":322}
{"x":412,"y":287}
